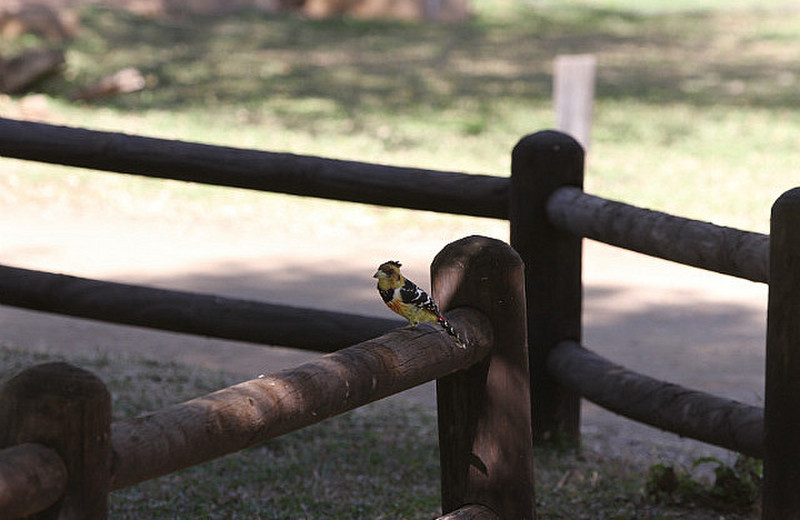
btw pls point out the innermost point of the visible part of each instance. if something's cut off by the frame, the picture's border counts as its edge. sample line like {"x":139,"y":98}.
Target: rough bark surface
{"x":242,"y":415}
{"x":689,"y":413}
{"x":700,"y":244}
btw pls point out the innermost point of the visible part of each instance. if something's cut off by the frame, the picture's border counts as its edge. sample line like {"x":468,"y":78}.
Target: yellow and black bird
{"x":409,"y":301}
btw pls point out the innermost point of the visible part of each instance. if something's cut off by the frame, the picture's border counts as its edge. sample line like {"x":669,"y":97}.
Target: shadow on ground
{"x":348,"y":67}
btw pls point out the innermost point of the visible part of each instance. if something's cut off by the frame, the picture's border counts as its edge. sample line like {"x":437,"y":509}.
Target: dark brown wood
{"x":692,"y":242}
{"x":192,"y":313}
{"x":689,"y":413}
{"x":485,"y":434}
{"x":471,"y":512}
{"x":69,"y":410}
{"x":542,"y":163}
{"x":413,"y":188}
{"x":781,"y":500}
{"x":32,"y":478}
{"x":239,"y":416}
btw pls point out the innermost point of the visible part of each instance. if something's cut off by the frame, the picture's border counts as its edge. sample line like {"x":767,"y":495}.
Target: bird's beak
{"x":377,"y":274}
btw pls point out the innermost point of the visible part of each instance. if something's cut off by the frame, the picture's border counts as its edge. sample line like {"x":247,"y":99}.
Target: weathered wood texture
{"x":781,"y":500}
{"x":242,"y":415}
{"x":192,"y":313}
{"x":32,"y":478}
{"x":471,"y":512}
{"x":69,"y":410}
{"x":447,"y":192}
{"x":700,"y":244}
{"x":689,"y":413}
{"x":485,"y":434}
{"x":542,"y":163}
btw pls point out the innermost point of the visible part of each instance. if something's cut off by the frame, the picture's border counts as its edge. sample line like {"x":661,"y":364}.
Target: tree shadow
{"x":347,"y":67}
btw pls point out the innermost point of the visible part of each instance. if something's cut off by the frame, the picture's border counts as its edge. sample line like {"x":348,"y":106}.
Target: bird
{"x":405,"y":298}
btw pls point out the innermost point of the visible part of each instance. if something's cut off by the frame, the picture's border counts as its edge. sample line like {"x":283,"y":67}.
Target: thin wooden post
{"x":484,"y":411}
{"x":69,"y":410}
{"x":573,"y":95}
{"x":781,"y":500}
{"x":541,"y":163}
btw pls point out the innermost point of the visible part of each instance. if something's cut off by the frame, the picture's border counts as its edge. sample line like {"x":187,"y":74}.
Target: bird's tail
{"x":450,"y":330}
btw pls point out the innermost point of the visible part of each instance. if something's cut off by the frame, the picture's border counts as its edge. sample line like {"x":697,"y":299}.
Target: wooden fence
{"x":63,"y":455}
{"x":549,"y":216}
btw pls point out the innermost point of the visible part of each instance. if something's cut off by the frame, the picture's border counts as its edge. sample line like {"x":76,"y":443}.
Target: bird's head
{"x":388,"y":271}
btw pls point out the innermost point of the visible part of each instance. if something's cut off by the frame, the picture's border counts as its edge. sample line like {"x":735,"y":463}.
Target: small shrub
{"x":735,"y":488}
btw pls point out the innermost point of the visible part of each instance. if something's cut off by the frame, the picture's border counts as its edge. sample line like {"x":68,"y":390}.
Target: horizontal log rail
{"x":243,"y":415}
{"x":412,"y":188}
{"x":187,"y":312}
{"x":689,"y":413}
{"x":32,"y":477}
{"x":743,"y":254}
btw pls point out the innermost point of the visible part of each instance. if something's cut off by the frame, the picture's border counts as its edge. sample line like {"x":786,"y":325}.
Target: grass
{"x":379,"y":461}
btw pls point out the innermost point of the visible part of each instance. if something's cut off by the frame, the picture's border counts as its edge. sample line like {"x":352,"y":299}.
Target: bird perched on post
{"x":409,"y":301}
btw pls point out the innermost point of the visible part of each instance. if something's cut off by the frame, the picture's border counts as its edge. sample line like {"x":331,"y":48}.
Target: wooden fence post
{"x":32,"y":478}
{"x":484,"y":411}
{"x":540,"y":164}
{"x":69,"y":410}
{"x":781,"y":500}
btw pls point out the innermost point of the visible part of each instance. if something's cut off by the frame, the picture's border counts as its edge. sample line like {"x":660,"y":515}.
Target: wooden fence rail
{"x":252,"y":412}
{"x":413,"y":188}
{"x":192,"y":313}
{"x":700,"y":244}
{"x":689,"y":413}
{"x":32,"y":477}
{"x":485,"y":427}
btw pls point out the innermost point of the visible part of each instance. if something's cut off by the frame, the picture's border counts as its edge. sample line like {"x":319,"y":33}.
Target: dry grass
{"x":380,"y":461}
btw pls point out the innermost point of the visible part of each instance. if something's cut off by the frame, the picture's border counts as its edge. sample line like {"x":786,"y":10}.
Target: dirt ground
{"x":684,"y":325}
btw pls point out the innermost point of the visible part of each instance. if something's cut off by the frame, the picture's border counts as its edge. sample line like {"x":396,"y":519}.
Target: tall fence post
{"x":540,"y":164}
{"x":67,"y":409}
{"x":781,"y":501}
{"x":484,"y":411}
